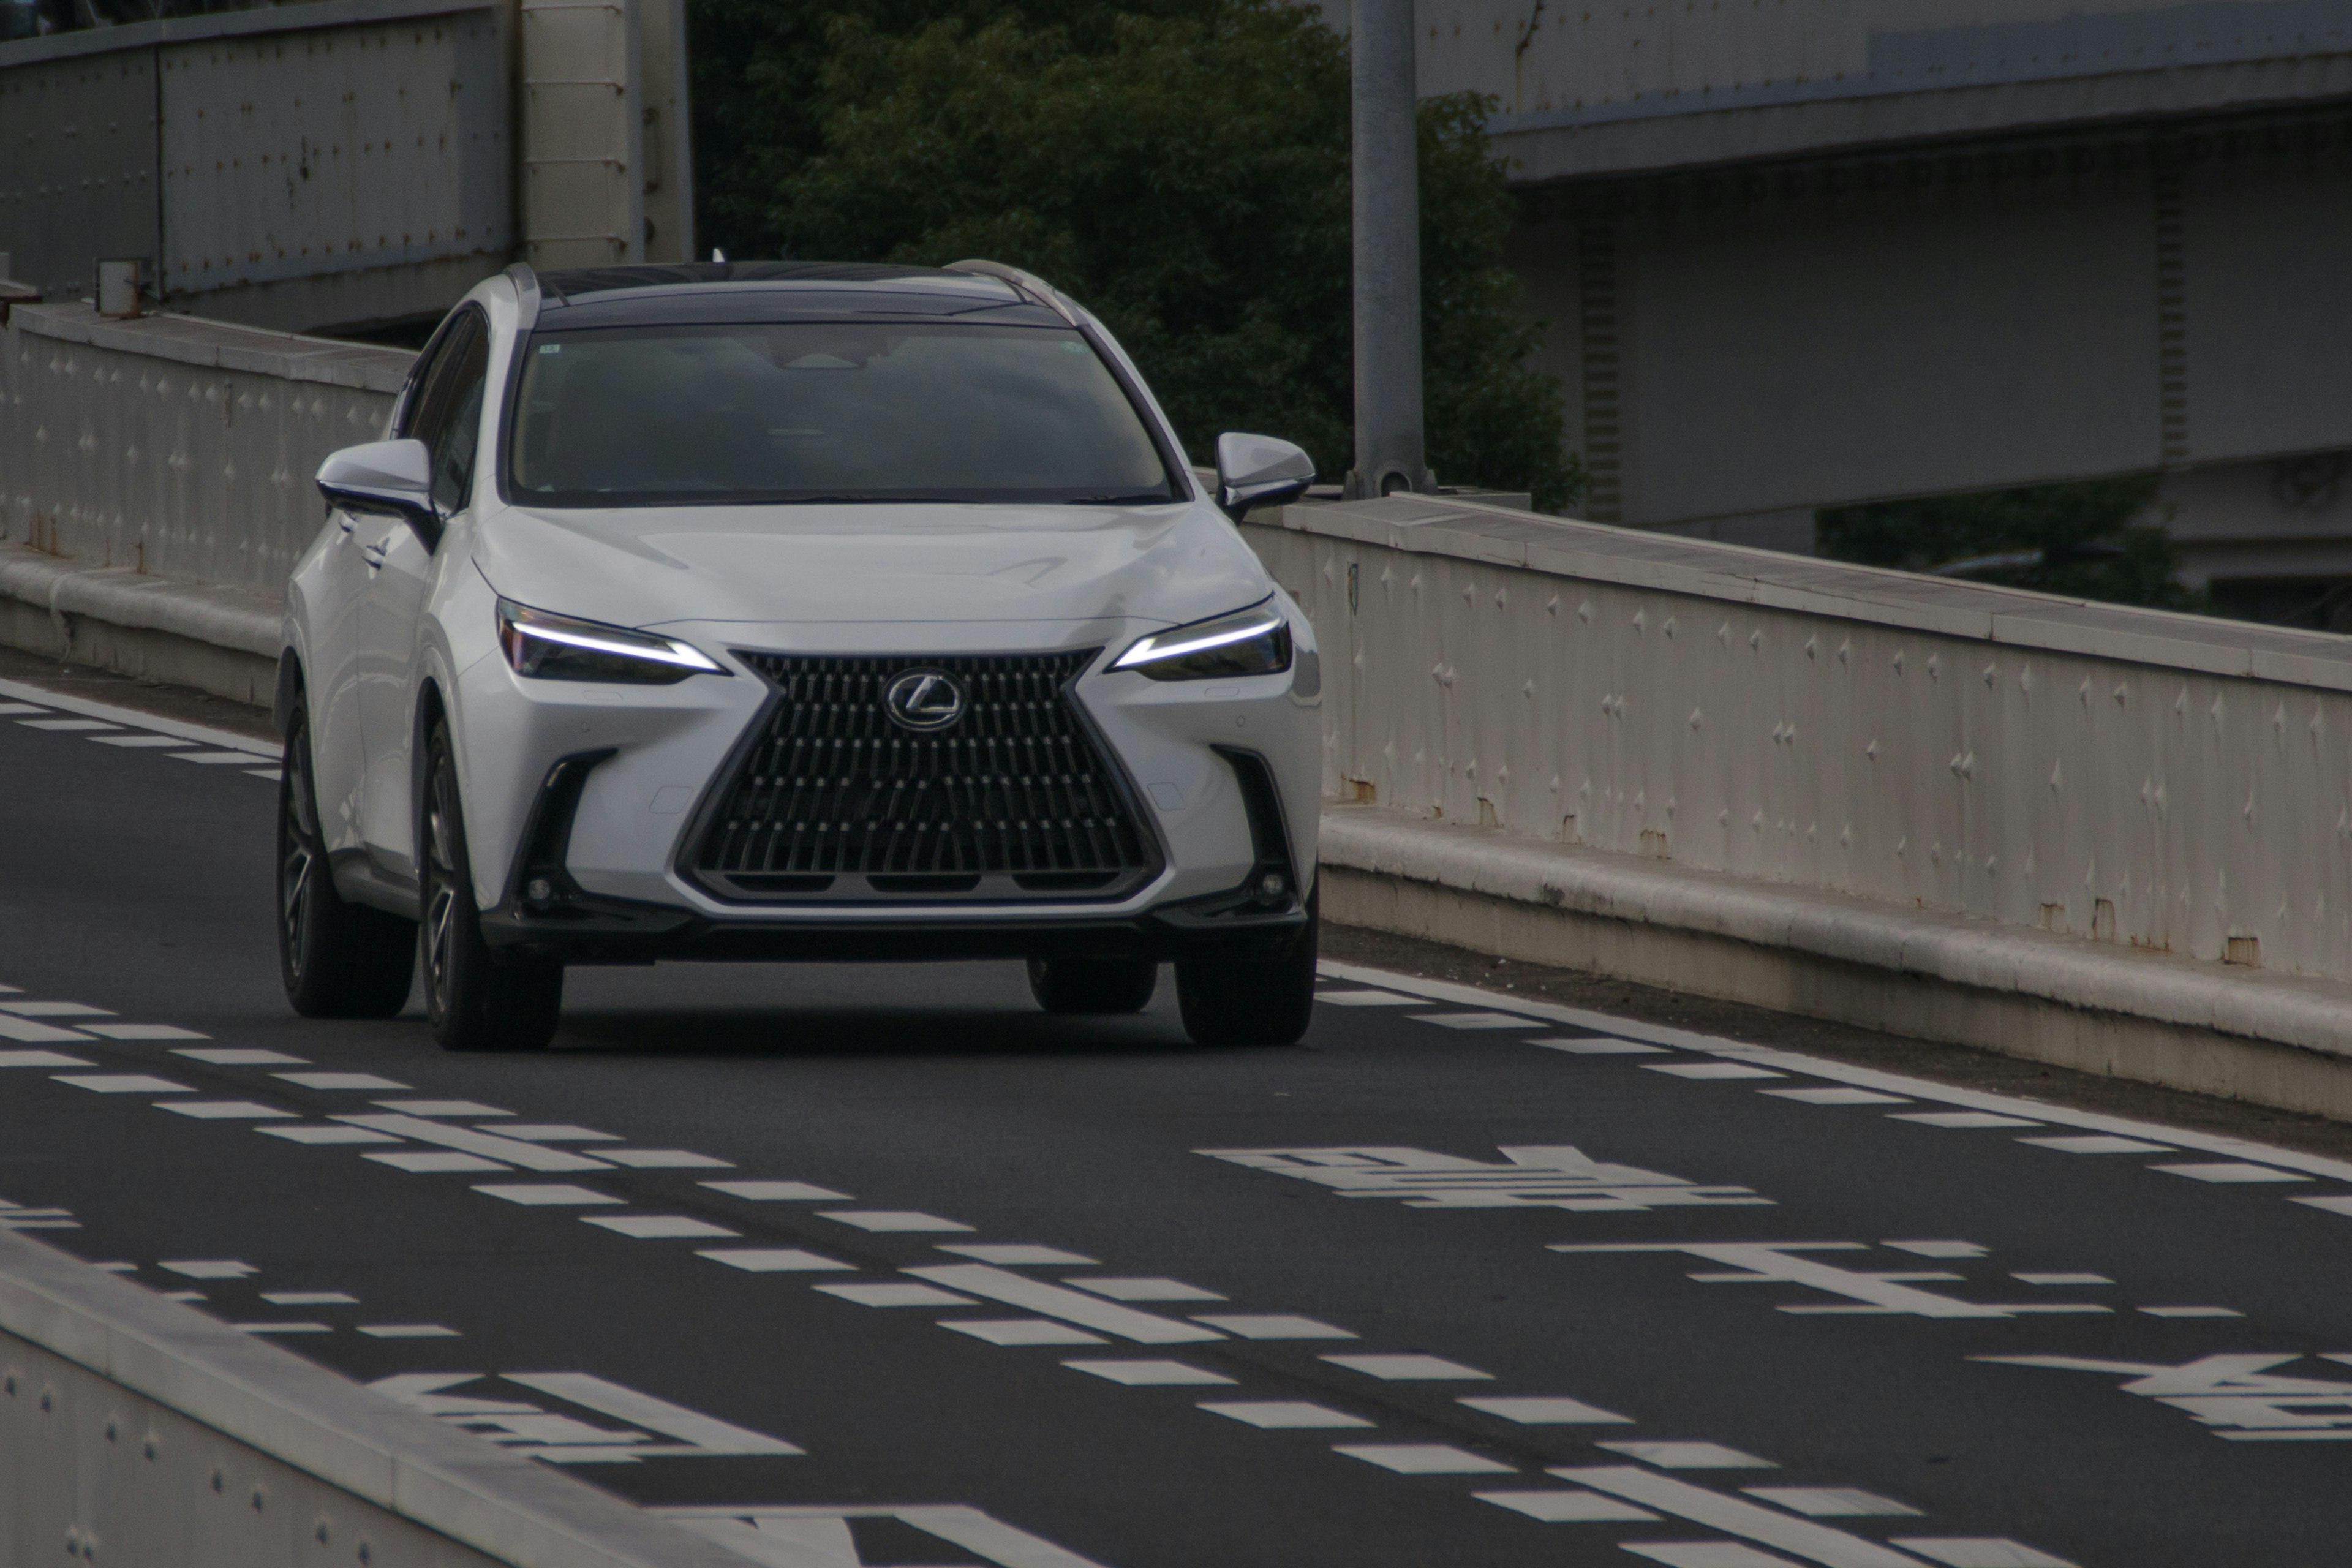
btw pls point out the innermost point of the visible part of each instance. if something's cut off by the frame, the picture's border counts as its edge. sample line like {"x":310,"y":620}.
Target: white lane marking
{"x":1709,"y":1070}
{"x":656,"y":1226}
{"x":1978,"y":1552}
{"x":526,"y":1429}
{"x":1015,"y":1255}
{"x":892,"y":1220}
{"x":1821,"y":1543}
{"x":2192,"y":1312}
{"x":408,"y":1332}
{"x":40,"y":1059}
{"x":151,"y":1032}
{"x":121,"y":1083}
{"x":2063,"y":1279}
{"x":235,"y":1057}
{"x":555,"y":1133}
{"x":2340,"y":1204}
{"x":776,"y":1192}
{"x":1601,"y":1046}
{"x":124,"y":740}
{"x":337,"y":1081}
{"x":1150,"y":1374}
{"x":1423,"y":1458}
{"x":1153,"y":1289}
{"x":2099,"y":1143}
{"x":328,"y":1134}
{"x":1777,"y":1262}
{"x":116,"y":1268}
{"x":994,"y":1284}
{"x":1550,"y":1176}
{"x":20,"y":708}
{"x":1832,"y":1503}
{"x":213,"y":759}
{"x":272,"y":774}
{"x":54,"y":1010}
{"x":1840,"y":1072}
{"x":1410,"y":1368}
{"x":488,"y":1145}
{"x":664,"y":1160}
{"x":206,"y":733}
{"x":1703,"y":1553}
{"x":771,"y":1260}
{"x":1347,"y":998}
{"x":2231,"y":1170}
{"x":1689,"y":1456}
{"x":465,"y":1108}
{"x":225,"y":1110}
{"x":1938,"y":1249}
{"x":1962,"y":1119}
{"x":544,"y":1194}
{"x":754,"y":1530}
{"x":2236,"y":1397}
{"x":32,"y":1034}
{"x":183,"y":1295}
{"x":207,"y":1267}
{"x":1839,"y":1096}
{"x":1545,"y":1410}
{"x":1022,"y":1332}
{"x":436,"y":1162}
{"x":898,"y":1295}
{"x":1567,"y":1507}
{"x":310,"y":1298}
{"x":64,"y":725}
{"x":1282,"y":1414}
{"x":1270,"y":1326}
{"x":1475,"y":1020}
{"x":283,"y":1327}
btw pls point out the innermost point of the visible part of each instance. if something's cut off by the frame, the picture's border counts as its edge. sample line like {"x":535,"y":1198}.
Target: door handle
{"x":344,"y":521}
{"x":374,"y":553}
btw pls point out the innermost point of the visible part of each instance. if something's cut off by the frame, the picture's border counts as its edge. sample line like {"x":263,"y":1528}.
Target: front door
{"x":400,"y":567}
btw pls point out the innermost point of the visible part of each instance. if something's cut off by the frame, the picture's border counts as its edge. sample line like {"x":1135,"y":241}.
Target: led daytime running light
{"x":666,"y":653}
{"x":1151,"y":649}
{"x":517,"y":623}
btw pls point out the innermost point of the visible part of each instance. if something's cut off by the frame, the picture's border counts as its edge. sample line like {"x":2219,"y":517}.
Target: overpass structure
{"x":1797,"y":257}
{"x":344,"y":164}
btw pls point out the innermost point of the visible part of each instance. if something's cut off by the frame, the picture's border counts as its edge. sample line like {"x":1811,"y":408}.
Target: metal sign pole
{"x":1389,"y":451}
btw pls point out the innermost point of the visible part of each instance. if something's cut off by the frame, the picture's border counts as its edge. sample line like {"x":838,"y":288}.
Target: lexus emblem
{"x":924,"y":699}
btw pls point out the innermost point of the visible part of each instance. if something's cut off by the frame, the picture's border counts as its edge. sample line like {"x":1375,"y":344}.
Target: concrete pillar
{"x":1389,"y":451}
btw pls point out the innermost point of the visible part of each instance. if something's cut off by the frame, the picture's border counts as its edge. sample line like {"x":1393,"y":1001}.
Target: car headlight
{"x":557,"y":648}
{"x":1256,"y":641}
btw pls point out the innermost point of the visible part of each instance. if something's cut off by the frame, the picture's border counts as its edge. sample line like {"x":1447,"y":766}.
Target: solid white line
{"x":706,"y":1433}
{"x":530,"y":1157}
{"x":1734,"y":1516}
{"x":213,"y":759}
{"x":1839,"y":1073}
{"x":187,"y":731}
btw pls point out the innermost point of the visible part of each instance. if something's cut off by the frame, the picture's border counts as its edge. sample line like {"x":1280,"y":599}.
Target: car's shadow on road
{"x":841,"y":1032}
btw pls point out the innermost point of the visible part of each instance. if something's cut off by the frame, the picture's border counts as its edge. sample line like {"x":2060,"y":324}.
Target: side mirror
{"x":394,"y":476}
{"x":1258,"y":471}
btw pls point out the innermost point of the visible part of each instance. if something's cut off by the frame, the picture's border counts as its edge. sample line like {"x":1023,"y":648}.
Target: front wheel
{"x":338,"y":960}
{"x":1253,"y":1001}
{"x":479,"y":999}
{"x":1093,"y":984}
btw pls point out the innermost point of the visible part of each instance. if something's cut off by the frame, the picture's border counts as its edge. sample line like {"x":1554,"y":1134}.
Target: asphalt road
{"x":882,"y":1265}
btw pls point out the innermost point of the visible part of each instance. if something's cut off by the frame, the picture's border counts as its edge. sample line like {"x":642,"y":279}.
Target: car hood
{"x":654,"y":565}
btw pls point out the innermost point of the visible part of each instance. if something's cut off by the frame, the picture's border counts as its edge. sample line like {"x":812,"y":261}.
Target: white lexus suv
{"x":793,"y":611}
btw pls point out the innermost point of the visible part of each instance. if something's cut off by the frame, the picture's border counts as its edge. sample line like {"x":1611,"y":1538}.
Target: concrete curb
{"x":216,"y":640}
{"x":507,"y":1506}
{"x":2279,"y":1038}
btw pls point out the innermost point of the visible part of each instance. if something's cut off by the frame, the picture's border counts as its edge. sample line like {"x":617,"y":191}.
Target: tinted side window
{"x":429,"y":360}
{"x":449,"y":410}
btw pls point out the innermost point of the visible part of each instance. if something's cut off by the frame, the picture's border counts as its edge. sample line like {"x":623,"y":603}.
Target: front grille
{"x":832,"y":799}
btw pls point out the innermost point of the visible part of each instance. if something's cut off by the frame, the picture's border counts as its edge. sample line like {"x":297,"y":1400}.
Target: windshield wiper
{"x":1147,"y":498}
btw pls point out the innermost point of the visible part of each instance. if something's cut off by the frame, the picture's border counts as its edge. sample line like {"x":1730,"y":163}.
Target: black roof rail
{"x":1028,"y":283}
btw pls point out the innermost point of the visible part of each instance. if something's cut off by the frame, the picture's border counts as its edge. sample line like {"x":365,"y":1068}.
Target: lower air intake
{"x":834,"y":800}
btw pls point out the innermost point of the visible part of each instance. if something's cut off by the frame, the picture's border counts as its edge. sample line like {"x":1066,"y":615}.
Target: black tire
{"x":478,"y":998}
{"x":338,"y":960}
{"x":1093,"y":984}
{"x":1254,"y":1002}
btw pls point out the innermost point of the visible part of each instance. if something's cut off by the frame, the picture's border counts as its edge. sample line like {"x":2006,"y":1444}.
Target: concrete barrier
{"x":2114,"y":837}
{"x":136,"y":1430}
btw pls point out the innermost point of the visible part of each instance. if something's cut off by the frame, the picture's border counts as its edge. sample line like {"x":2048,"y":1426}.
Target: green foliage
{"x":1181,"y":165}
{"x":2093,"y":532}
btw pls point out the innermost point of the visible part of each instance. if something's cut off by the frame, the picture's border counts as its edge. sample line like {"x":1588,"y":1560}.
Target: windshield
{"x":825,"y":411}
